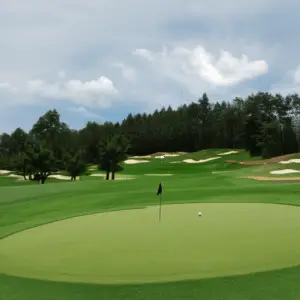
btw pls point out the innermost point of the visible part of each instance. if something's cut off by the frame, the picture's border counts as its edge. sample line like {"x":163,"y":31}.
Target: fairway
{"x":132,"y":246}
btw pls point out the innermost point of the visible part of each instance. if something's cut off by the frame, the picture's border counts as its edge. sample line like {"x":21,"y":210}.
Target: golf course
{"x":101,"y":239}
{"x":149,"y":150}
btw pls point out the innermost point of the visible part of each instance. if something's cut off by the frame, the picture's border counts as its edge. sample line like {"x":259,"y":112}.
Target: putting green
{"x":133,"y":247}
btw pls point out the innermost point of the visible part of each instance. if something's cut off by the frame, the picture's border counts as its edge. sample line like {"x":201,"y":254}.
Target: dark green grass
{"x":25,"y":205}
{"x":277,"y":285}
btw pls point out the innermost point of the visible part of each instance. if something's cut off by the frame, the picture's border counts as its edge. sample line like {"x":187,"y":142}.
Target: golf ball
{"x":199,"y":213}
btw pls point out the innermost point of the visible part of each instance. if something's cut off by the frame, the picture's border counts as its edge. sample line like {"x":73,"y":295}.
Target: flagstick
{"x":160,"y":208}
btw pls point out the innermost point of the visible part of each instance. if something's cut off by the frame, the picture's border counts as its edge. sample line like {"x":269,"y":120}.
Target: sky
{"x":100,"y":60}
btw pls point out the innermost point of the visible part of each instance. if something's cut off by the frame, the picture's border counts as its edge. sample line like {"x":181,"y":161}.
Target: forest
{"x":266,"y":125}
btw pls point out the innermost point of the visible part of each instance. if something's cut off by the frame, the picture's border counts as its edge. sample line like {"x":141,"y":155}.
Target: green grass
{"x":265,"y":170}
{"x":26,"y":205}
{"x":166,"y":166}
{"x":110,"y":248}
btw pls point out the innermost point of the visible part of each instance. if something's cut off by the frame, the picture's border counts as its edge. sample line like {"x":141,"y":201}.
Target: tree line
{"x":264,"y":124}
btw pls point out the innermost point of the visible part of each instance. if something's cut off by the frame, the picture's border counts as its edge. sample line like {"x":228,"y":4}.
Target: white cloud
{"x":193,"y":66}
{"x":128,"y":73}
{"x":77,"y":89}
{"x":40,"y":38}
{"x":83,"y":112}
{"x":145,"y":53}
{"x":94,"y":93}
{"x":98,"y":93}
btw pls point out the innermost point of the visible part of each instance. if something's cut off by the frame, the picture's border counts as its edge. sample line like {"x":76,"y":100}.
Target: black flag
{"x":159,"y":191}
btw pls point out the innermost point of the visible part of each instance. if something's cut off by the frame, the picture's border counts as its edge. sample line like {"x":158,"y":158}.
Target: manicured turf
{"x":132,"y":246}
{"x":25,"y":206}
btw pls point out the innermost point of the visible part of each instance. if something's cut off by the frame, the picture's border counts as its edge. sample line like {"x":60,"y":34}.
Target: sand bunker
{"x":192,"y":161}
{"x":228,"y":153}
{"x":98,"y":175}
{"x":143,"y":156}
{"x":158,"y":155}
{"x":265,"y":178}
{"x":290,"y":161}
{"x":16,"y":176}
{"x":3,"y":172}
{"x":175,"y":162}
{"x":117,"y":176}
{"x":171,"y":154}
{"x":55,"y":176}
{"x":134,"y":161}
{"x":167,"y":155}
{"x":124,"y":177}
{"x":61,"y":177}
{"x":158,"y":174}
{"x":285,"y":171}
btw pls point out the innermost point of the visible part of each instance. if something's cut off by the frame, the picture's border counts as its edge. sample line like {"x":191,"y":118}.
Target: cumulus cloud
{"x":94,"y":93}
{"x":197,"y":64}
{"x":98,"y":93}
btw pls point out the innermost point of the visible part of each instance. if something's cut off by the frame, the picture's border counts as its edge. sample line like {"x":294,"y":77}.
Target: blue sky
{"x":100,"y":60}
